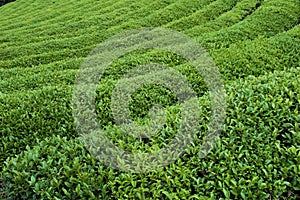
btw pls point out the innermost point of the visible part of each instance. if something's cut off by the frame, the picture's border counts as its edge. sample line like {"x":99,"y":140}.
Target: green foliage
{"x":55,"y":168}
{"x":202,"y":16}
{"x":255,"y":45}
{"x":220,"y":20}
{"x":260,"y":23}
{"x":255,"y":159}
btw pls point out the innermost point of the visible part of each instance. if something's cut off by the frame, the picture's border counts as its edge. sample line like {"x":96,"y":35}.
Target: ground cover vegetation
{"x":255,"y":45}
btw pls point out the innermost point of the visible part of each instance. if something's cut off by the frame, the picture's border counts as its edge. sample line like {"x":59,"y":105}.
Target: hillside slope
{"x":255,"y":45}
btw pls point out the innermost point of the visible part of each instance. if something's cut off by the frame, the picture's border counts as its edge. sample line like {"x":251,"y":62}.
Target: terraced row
{"x":254,"y":43}
{"x":248,"y":126}
{"x":224,"y":20}
{"x":280,"y":50}
{"x":88,"y":42}
{"x":87,"y":28}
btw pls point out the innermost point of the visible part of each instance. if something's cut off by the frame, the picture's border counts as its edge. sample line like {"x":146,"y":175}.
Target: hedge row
{"x":96,"y":17}
{"x":237,"y":14}
{"x":175,"y":11}
{"x":260,"y":23}
{"x":34,"y":114}
{"x":56,"y":8}
{"x":23,"y":59}
{"x":254,"y":159}
{"x":86,"y":37}
{"x":208,"y":13}
{"x":258,"y":154}
{"x":258,"y":56}
{"x":63,"y":170}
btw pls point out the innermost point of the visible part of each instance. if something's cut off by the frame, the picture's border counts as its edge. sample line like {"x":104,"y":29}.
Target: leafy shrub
{"x":257,"y":157}
{"x":237,"y":14}
{"x":55,"y":168}
{"x":255,"y":45}
{"x":28,"y":115}
{"x":204,"y":15}
{"x":261,"y":23}
{"x":259,"y":55}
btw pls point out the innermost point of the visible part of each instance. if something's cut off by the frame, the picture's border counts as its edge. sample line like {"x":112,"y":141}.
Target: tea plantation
{"x":256,"y":47}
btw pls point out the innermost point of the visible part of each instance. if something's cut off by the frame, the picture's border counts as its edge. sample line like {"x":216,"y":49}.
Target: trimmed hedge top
{"x":255,"y":45}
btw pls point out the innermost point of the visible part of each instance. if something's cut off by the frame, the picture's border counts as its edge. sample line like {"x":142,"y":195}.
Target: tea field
{"x":255,"y":45}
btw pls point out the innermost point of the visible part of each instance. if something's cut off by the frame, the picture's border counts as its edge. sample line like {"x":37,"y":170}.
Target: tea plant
{"x":255,"y":45}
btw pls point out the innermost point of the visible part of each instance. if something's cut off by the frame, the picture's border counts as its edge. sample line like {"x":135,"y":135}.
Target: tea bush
{"x":260,"y":23}
{"x":255,"y":45}
{"x":235,"y":15}
{"x":258,"y":156}
{"x":56,"y":168}
{"x":208,"y":13}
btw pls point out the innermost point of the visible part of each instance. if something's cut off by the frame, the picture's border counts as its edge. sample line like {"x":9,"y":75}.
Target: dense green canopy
{"x":255,"y":45}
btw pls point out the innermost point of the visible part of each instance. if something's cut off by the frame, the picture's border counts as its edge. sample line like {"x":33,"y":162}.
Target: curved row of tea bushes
{"x":259,"y":23}
{"x":255,"y":45}
{"x":255,"y":158}
{"x":235,"y":15}
{"x":209,"y":12}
